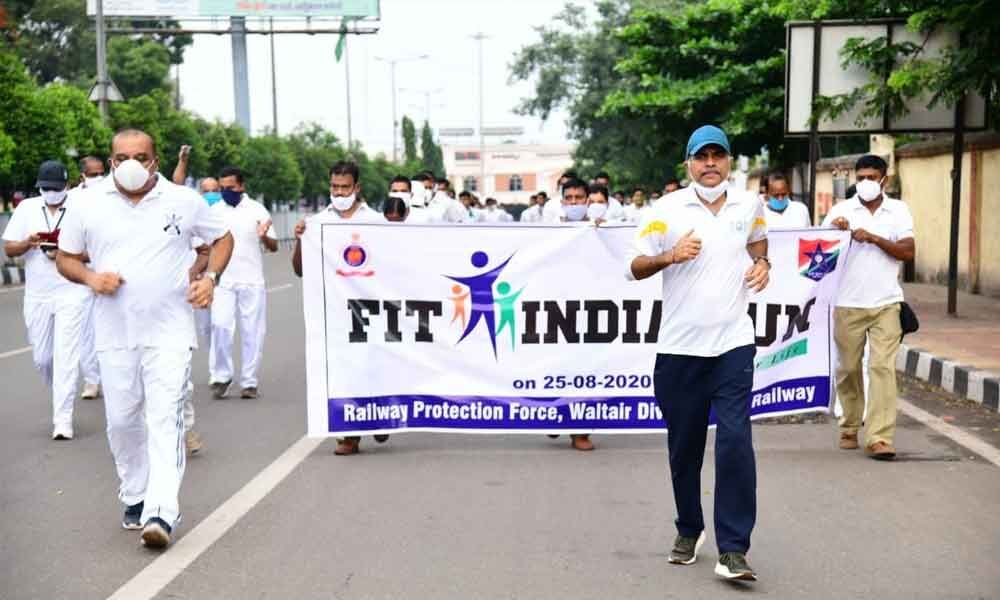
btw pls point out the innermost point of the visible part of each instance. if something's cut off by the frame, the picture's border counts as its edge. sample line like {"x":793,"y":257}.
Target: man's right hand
{"x":33,"y":240}
{"x":841,"y":223}
{"x":687,"y":248}
{"x":105,"y":283}
{"x":300,"y":228}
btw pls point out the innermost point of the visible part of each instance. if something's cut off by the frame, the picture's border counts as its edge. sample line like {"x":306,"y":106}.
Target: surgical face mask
{"x":596,"y":211}
{"x":711,"y":194}
{"x":92,"y":181}
{"x":52,"y":197}
{"x":231,"y":197}
{"x":342,"y":203}
{"x":777,"y":204}
{"x":575,"y":212}
{"x":212,"y":197}
{"x":869,"y":190}
{"x":131,"y":175}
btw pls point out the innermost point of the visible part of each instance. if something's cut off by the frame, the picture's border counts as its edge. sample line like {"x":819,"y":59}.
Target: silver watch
{"x":211,"y":275}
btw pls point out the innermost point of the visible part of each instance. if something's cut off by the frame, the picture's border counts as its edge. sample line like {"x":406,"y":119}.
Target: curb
{"x":962,"y":380}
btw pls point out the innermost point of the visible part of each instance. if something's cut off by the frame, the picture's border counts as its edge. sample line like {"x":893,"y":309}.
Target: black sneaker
{"x":733,"y":565}
{"x":156,"y":533}
{"x":132,"y":516}
{"x":221,"y":388}
{"x":382,"y":438}
{"x":685,"y":550}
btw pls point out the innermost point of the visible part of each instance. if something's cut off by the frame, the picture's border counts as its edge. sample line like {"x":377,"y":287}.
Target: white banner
{"x":533,"y":328}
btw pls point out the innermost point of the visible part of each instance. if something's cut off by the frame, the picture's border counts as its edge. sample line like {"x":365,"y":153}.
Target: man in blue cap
{"x":709,"y":243}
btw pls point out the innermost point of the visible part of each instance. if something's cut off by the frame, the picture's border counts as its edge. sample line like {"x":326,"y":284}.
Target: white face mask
{"x":131,"y":175}
{"x":343,"y":203}
{"x":710,"y":194}
{"x":92,"y":181}
{"x":868,"y":190}
{"x":575,"y":212}
{"x":52,"y":198}
{"x":596,"y":211}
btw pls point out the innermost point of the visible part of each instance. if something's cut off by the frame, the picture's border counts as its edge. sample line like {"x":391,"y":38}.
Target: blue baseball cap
{"x":705,"y":135}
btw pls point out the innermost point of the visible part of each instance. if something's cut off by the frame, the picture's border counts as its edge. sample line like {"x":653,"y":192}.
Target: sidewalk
{"x":960,"y":354}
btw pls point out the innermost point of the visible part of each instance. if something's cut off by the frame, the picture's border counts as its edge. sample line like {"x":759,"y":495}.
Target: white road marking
{"x":15,"y":352}
{"x":948,"y":430}
{"x":7,"y":290}
{"x":159,"y":573}
{"x":278,"y":288}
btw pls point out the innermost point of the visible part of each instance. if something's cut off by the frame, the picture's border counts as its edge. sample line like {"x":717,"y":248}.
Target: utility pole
{"x":392,"y":74}
{"x":241,"y":79}
{"x":102,"y":64}
{"x":274,"y":84}
{"x":479,"y":37}
{"x":427,"y":99}
{"x":347,"y":77}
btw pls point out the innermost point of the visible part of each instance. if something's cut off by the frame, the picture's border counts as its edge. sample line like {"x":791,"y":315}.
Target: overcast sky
{"x":311,"y":82}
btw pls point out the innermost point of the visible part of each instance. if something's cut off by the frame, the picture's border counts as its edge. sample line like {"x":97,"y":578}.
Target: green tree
{"x":271,"y":170}
{"x":430,"y":152}
{"x":138,"y":66}
{"x":315,"y":150}
{"x":409,"y":141}
{"x":223,"y":144}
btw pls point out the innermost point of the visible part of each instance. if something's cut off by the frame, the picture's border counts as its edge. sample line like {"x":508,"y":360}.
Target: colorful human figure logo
{"x":506,"y":305}
{"x":481,"y":289}
{"x":459,"y":301}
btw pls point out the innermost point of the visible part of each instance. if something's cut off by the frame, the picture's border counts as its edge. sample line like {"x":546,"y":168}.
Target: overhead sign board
{"x":237,"y":8}
{"x":814,"y":68}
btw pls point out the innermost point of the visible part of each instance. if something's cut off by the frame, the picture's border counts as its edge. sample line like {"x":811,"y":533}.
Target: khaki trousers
{"x":880,"y":328}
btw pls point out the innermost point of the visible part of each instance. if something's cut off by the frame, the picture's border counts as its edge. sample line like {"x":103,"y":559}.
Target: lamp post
{"x":479,"y":37}
{"x":392,"y":71}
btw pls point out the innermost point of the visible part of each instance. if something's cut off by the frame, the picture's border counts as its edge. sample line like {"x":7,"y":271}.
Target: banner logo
{"x":818,"y":258}
{"x":480,"y":289}
{"x":354,"y":256}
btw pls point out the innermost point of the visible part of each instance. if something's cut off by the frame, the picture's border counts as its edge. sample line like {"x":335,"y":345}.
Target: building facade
{"x":513,"y":172}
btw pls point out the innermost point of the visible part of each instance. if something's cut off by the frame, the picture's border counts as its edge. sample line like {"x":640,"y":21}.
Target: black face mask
{"x":231,"y":197}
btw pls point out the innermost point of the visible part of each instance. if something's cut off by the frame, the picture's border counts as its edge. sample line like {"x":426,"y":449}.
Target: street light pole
{"x":274,"y":84}
{"x":392,"y":74}
{"x":479,"y":37}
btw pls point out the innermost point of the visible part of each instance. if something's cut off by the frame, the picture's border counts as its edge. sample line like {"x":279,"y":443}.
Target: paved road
{"x":449,"y":516}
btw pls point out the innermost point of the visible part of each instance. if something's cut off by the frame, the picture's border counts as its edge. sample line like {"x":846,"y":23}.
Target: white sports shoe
{"x":62,"y":432}
{"x":91,"y":391}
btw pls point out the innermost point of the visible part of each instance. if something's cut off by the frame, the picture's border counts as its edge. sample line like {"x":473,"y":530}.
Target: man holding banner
{"x":710,"y":243}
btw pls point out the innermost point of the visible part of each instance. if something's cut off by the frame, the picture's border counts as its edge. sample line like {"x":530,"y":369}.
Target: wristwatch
{"x":757,"y":259}
{"x":211,"y":275}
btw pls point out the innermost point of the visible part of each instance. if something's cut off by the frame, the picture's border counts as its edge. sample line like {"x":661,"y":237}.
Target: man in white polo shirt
{"x":345,"y":205}
{"x":780,"y":211}
{"x":709,"y":241}
{"x":868,"y":306}
{"x":241,"y":296}
{"x":137,"y":231}
{"x":55,"y":310}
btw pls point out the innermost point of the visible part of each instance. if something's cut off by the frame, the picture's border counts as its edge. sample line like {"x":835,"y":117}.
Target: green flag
{"x":341,"y":43}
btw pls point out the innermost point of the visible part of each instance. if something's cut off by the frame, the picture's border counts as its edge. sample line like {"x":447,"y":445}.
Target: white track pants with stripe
{"x":144,"y":392}
{"x":55,"y":332}
{"x":246,"y":305}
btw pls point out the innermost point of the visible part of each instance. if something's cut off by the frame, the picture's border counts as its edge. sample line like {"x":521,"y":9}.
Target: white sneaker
{"x":62,"y":432}
{"x":91,"y":391}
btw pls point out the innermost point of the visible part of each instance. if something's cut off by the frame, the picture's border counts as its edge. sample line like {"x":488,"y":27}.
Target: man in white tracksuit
{"x":241,"y":296}
{"x":55,"y":310}
{"x":91,"y":174}
{"x":137,"y":233}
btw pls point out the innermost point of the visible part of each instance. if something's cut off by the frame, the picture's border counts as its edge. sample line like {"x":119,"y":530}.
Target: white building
{"x":513,"y":171}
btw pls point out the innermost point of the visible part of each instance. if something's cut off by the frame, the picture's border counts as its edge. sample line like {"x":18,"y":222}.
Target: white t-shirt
{"x":497,"y":215}
{"x":795,"y":216}
{"x":532,"y":214}
{"x":553,"y":211}
{"x":247,"y":263}
{"x":705,"y":300}
{"x":42,"y":279}
{"x":871,"y":277}
{"x":634,"y":214}
{"x":364,"y":214}
{"x":149,"y":245}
